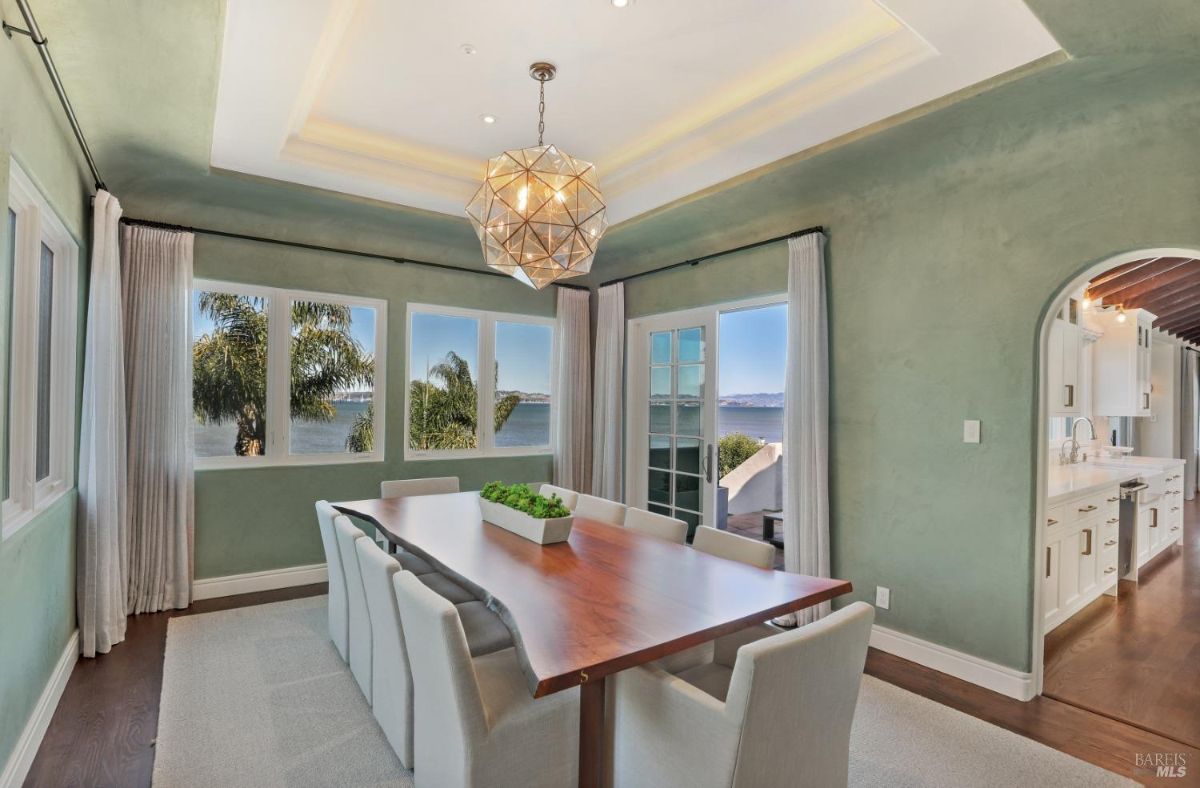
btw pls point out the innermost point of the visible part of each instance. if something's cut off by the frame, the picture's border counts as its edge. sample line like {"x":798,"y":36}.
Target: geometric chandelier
{"x":539,"y":214}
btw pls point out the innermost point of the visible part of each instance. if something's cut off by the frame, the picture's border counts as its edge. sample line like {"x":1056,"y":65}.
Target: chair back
{"x":568,"y":497}
{"x":795,"y":695}
{"x":657,"y":525}
{"x":450,"y":718}
{"x":391,"y":679}
{"x":735,"y":548}
{"x":339,"y":626}
{"x":601,"y":509}
{"x":359,"y":622}
{"x":403,"y":488}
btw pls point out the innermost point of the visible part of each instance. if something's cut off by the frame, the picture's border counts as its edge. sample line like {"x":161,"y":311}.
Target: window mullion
{"x":278,"y":377}
{"x":486,"y":389}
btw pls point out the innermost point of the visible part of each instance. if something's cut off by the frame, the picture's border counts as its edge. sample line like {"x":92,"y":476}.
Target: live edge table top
{"x":603,"y":601}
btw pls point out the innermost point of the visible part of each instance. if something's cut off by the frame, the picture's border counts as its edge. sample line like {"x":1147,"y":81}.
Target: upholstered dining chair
{"x":476,"y":722}
{"x":339,"y":626}
{"x":359,"y":622}
{"x":772,"y":709}
{"x":656,"y":525}
{"x":568,"y":496}
{"x":403,"y":488}
{"x":601,"y":509}
{"x":735,"y":548}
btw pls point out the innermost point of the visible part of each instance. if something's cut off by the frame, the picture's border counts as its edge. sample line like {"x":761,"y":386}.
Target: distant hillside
{"x":760,"y":400}
{"x":526,"y":396}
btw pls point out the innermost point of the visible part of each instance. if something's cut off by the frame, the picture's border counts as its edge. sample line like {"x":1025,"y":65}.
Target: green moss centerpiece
{"x":517,"y":508}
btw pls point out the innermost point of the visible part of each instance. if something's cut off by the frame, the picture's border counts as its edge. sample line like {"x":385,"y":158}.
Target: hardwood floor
{"x":1136,"y":658}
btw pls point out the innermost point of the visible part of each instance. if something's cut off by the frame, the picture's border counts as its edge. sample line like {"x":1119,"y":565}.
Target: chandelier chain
{"x":541,"y":109}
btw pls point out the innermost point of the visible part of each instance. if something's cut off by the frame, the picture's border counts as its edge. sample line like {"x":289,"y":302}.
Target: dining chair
{"x":403,"y":488}
{"x":656,"y":525}
{"x":358,"y":619}
{"x":568,"y":496}
{"x":770,"y":710}
{"x":476,"y":722}
{"x":391,"y":682}
{"x":601,"y":509}
{"x":339,"y":627}
{"x":735,"y":548}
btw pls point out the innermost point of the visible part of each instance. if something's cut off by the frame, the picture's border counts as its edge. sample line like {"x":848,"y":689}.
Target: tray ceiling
{"x":667,"y":97}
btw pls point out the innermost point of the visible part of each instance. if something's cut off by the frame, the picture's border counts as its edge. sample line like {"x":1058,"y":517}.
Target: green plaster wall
{"x":37,"y":564}
{"x":250,"y":520}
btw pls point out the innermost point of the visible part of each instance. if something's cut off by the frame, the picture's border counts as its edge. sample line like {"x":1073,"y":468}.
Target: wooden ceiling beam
{"x":1183,"y":327}
{"x":1103,"y":286}
{"x":1178,"y":319}
{"x":1166,"y":302}
{"x":1120,"y":270}
{"x":1185,"y":274}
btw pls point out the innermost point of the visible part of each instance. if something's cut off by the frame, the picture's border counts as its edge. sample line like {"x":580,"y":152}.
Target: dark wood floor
{"x":1136,"y":658}
{"x":104,"y":728}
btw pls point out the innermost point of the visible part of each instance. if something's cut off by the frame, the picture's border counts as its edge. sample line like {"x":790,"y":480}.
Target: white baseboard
{"x":212,"y":587}
{"x":22,"y":755}
{"x":990,"y":675}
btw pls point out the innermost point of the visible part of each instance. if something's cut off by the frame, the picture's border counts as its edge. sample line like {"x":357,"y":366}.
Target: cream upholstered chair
{"x":476,"y":722}
{"x":359,"y":622}
{"x":656,"y":525}
{"x":768,"y":711}
{"x":339,"y":627}
{"x":601,"y":509}
{"x":568,"y":496}
{"x":734,"y":547}
{"x":403,"y":488}
{"x":391,"y":682}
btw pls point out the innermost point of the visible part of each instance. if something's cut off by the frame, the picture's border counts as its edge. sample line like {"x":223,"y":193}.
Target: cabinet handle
{"x":1088,"y":508}
{"x":1088,"y":550}
{"x":1112,"y":500}
{"x":1145,"y":401}
{"x":1070,"y":403}
{"x":1174,"y":508}
{"x":1153,"y":517}
{"x":1110,"y":570}
{"x":1110,"y":543}
{"x":1051,"y":521}
{"x":1047,"y":562}
{"x":1112,"y":520}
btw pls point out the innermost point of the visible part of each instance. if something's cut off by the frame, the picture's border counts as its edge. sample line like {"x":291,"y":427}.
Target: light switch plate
{"x":971,"y":431}
{"x":883,"y":597}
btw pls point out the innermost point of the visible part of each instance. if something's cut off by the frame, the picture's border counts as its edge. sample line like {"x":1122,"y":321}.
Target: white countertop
{"x":1083,"y":477}
{"x":1139,"y":463}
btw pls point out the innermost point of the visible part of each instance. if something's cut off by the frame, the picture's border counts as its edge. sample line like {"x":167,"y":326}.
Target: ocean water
{"x":764,"y":423}
{"x":527,"y":425}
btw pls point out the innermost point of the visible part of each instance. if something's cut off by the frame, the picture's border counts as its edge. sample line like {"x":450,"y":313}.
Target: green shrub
{"x":522,"y":498}
{"x":734,"y":449}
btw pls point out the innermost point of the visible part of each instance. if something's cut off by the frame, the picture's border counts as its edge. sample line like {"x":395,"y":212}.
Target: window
{"x":40,"y":264}
{"x":283,"y":377}
{"x":479,"y":383}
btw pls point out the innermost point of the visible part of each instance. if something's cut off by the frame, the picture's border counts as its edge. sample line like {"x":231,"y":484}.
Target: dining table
{"x":606,"y":600}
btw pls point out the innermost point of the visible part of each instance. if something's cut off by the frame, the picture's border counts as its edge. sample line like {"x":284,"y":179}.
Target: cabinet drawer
{"x":1104,"y":505}
{"x":1106,"y":566}
{"x":1110,"y":530}
{"x":1059,"y":515}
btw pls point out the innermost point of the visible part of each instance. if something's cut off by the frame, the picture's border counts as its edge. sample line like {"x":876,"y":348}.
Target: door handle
{"x":708,"y":463}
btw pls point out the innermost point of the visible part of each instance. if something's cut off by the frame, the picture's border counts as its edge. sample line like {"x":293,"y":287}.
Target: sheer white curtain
{"x":573,"y":390}
{"x":806,"y":418}
{"x":1190,"y":391}
{"x":157,"y":286}
{"x":608,"y":420}
{"x":102,"y":537}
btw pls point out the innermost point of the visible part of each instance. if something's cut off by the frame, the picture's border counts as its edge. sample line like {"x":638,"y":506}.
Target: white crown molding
{"x":231,"y":585}
{"x":981,"y":672}
{"x":21,"y":758}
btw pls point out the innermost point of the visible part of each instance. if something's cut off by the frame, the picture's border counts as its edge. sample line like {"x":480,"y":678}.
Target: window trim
{"x":278,"y":448}
{"x":485,"y":352}
{"x":37,"y":223}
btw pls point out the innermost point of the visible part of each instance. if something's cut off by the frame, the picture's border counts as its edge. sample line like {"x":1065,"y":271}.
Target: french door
{"x":672,"y":421}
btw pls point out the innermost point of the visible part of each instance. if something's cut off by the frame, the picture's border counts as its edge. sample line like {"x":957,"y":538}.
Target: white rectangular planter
{"x":521,"y":524}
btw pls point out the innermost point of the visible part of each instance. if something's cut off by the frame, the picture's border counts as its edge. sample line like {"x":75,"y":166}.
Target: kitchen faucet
{"x":1073,"y":457}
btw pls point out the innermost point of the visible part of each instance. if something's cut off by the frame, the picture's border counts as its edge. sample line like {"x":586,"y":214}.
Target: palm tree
{"x":229,"y":365}
{"x":442,"y":414}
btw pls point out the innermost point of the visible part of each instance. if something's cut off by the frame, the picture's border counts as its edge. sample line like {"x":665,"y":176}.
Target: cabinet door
{"x":1089,"y":549}
{"x":1144,"y":533}
{"x":1050,"y":606}
{"x":1068,"y":571}
{"x":1071,"y":345}
{"x":1055,"y":387}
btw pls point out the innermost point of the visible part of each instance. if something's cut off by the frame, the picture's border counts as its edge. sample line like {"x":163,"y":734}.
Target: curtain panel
{"x":573,"y":390}
{"x":608,"y":419}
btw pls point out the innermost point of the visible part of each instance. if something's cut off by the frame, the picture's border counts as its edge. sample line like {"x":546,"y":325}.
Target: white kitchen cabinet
{"x":1050,"y":606}
{"x":1063,"y":362}
{"x":1077,"y":555}
{"x":1121,"y":364}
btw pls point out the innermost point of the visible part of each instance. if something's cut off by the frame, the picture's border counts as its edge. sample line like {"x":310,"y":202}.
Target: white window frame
{"x":279,"y":351}
{"x":37,"y":224}
{"x":485,"y":352}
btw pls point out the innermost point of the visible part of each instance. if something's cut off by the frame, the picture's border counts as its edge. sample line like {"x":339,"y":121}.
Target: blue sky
{"x":753,"y":350}
{"x":522,"y":349}
{"x":362,"y":323}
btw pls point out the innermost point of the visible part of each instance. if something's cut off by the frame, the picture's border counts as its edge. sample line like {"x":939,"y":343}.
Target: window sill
{"x":413,"y":455}
{"x":17,"y":522}
{"x":292,"y":461}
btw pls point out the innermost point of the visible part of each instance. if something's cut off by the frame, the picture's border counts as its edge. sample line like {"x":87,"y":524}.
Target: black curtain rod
{"x":698,"y":260}
{"x":319,"y":248}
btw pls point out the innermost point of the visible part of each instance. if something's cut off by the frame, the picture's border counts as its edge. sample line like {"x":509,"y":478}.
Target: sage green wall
{"x":948,"y":236}
{"x":260,"y":519}
{"x":37,"y":564}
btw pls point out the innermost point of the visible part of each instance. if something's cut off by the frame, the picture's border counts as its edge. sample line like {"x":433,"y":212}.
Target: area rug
{"x":257,"y":696}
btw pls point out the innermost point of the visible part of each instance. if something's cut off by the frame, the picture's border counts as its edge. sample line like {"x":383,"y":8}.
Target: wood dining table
{"x":606,"y":600}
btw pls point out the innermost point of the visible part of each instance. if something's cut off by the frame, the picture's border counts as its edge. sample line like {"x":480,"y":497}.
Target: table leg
{"x":591,"y":734}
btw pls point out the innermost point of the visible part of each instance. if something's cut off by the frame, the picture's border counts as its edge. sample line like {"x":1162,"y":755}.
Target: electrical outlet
{"x":971,"y":431}
{"x":883,"y":597}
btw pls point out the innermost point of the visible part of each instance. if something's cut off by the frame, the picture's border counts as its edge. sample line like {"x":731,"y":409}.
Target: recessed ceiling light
{"x":468,"y":49}
{"x":621,"y":3}
{"x":488,"y":118}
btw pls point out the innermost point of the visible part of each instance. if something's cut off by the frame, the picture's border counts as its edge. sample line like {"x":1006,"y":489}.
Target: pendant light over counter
{"x":539,"y":214}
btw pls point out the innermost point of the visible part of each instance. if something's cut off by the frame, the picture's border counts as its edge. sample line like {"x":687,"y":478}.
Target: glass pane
{"x":10,"y":248}
{"x":691,"y":518}
{"x":691,"y":344}
{"x":687,"y":419}
{"x":229,"y":374}
{"x":659,"y":486}
{"x":660,"y":347}
{"x":687,"y":455}
{"x":659,"y":509}
{"x":443,"y":400}
{"x":691,"y":381}
{"x":660,"y":418}
{"x":687,"y":491}
{"x":522,"y":413}
{"x":660,"y":451}
{"x":45,"y":314}
{"x":660,"y":383}
{"x":333,"y":374}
